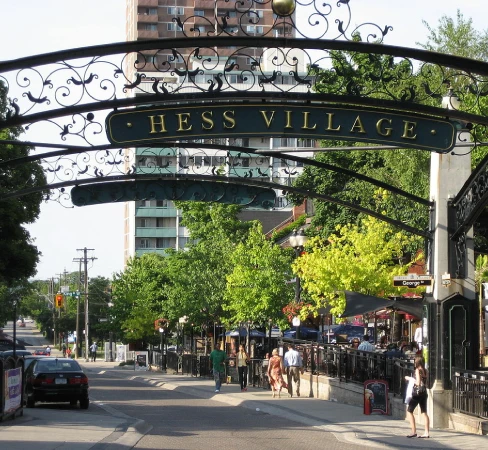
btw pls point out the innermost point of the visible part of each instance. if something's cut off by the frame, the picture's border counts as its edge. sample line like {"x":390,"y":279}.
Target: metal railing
{"x":470,"y":392}
{"x":353,"y":366}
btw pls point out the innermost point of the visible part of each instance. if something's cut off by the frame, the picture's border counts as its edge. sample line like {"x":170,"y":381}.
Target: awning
{"x":357,"y":304}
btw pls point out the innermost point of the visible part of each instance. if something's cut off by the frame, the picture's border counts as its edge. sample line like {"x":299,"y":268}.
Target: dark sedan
{"x":53,"y":379}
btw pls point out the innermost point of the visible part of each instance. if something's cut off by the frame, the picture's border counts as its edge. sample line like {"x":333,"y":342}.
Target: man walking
{"x":366,"y":345}
{"x":93,"y":351}
{"x":293,"y":367}
{"x":217,"y":359}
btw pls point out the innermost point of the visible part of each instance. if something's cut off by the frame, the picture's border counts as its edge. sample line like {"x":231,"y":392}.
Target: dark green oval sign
{"x":156,"y":124}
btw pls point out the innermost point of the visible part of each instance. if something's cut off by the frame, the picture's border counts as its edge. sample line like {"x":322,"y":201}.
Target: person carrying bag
{"x":418,"y":394}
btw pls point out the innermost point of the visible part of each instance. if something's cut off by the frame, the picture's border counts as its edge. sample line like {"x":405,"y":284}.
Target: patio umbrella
{"x":358,"y":304}
{"x":254,"y":333}
{"x":412,"y":306}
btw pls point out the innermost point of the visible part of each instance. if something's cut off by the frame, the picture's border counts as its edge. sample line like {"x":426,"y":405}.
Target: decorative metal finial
{"x":283,"y":8}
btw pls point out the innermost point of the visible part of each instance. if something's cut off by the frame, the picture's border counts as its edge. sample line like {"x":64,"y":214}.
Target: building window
{"x":199,"y":13}
{"x":144,"y":223}
{"x":162,"y":203}
{"x":255,"y":13}
{"x":163,"y":243}
{"x":150,"y":27}
{"x":143,"y":203}
{"x":171,"y":26}
{"x":254,"y":29}
{"x":176,"y":11}
{"x":145,"y":243}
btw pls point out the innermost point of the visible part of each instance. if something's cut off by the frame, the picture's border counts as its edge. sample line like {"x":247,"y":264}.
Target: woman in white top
{"x":242,"y":359}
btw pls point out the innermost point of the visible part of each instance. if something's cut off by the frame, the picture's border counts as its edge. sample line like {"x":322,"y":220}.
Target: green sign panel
{"x":183,"y":190}
{"x":156,"y":125}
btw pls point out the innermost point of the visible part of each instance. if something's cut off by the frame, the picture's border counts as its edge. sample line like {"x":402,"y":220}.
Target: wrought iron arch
{"x":70,"y":92}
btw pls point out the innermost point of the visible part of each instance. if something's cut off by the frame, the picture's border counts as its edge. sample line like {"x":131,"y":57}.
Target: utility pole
{"x":77,"y":342}
{"x":87,"y":322}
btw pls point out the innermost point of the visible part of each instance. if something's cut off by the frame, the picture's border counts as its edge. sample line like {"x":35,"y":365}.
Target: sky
{"x":30,"y":27}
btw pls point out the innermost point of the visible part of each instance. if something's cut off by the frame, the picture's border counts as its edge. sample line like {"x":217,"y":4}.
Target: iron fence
{"x":470,"y":392}
{"x":353,"y":366}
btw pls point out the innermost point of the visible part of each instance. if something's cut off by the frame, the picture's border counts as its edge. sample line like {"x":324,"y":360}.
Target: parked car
{"x":22,"y":324}
{"x":7,"y":353}
{"x":54,"y":379}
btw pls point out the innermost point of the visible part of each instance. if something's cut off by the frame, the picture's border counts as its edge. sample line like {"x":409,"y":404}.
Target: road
{"x":177,"y":420}
{"x":182,"y":421}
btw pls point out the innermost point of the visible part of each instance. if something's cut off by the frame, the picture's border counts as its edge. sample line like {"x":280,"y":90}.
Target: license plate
{"x":61,"y":381}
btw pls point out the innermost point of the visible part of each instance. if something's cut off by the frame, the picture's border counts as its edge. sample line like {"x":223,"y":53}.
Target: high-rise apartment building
{"x":154,"y":226}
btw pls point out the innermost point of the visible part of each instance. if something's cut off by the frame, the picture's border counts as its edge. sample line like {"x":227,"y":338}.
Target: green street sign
{"x":156,"y":124}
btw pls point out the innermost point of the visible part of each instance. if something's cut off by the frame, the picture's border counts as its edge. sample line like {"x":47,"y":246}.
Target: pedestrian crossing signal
{"x":58,"y":300}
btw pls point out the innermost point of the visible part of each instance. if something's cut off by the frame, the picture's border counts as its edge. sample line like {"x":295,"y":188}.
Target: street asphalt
{"x":105,"y":428}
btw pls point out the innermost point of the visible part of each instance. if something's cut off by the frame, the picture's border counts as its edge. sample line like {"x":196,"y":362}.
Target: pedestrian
{"x":275,"y":373}
{"x":355,"y":344}
{"x":293,"y":367}
{"x":419,"y":397}
{"x":68,"y":352}
{"x":366,"y":346}
{"x":93,"y":351}
{"x":217,"y":359}
{"x":242,"y":360}
{"x":48,"y":350}
{"x":64,"y":349}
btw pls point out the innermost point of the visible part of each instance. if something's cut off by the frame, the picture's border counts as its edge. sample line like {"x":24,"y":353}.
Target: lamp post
{"x":270,"y":324}
{"x":297,"y":241}
{"x":14,"y":347}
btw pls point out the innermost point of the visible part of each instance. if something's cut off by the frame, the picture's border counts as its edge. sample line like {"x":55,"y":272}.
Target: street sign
{"x":412,"y":280}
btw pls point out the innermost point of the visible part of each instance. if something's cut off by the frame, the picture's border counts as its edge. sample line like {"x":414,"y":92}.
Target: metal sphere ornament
{"x":283,"y":8}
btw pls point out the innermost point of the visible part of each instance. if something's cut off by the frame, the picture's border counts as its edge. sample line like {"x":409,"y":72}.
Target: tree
{"x":379,"y":76}
{"x":18,"y":255}
{"x":362,"y":258}
{"x":138,"y":294}
{"x":256,"y":287}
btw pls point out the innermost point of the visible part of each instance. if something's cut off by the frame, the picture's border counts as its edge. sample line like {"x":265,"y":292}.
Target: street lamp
{"x":14,"y":347}
{"x":297,"y":241}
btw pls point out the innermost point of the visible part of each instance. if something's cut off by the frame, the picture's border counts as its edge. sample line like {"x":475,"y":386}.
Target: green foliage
{"x":359,"y":258}
{"x":18,"y":255}
{"x":256,"y":288}
{"x":285,"y":231}
{"x":138,"y":294}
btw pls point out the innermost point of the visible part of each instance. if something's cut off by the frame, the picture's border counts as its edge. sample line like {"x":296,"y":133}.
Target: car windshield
{"x":57,"y":365}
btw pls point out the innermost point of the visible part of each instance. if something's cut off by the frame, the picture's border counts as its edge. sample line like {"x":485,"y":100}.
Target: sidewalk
{"x":348,"y":423}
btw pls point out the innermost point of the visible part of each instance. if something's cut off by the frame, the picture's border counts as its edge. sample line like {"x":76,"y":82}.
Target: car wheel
{"x":84,"y":403}
{"x":30,"y":402}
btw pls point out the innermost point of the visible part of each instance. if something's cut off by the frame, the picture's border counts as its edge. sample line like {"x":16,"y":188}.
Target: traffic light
{"x":58,"y":300}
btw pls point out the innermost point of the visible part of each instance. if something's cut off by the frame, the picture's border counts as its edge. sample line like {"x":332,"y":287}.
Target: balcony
{"x":153,"y":3}
{"x":143,"y":251}
{"x":147,"y":18}
{"x":155,"y":212}
{"x":147,"y":34}
{"x":155,"y":232}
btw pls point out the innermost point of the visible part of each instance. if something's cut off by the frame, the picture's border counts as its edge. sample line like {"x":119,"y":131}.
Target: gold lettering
{"x":330,"y":118}
{"x":266,"y":119}
{"x":359,"y":125}
{"x":207,"y":121}
{"x":229,"y":120}
{"x":288,"y":119}
{"x":154,"y":123}
{"x":383,"y":131}
{"x":409,"y":130}
{"x":306,"y":126}
{"x":183,"y":122}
